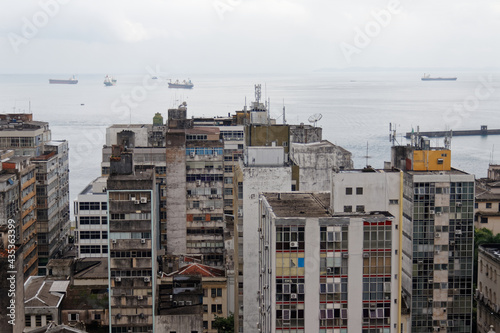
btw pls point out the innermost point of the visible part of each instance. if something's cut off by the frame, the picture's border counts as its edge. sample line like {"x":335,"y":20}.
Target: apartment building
{"x":488,"y":287}
{"x":348,"y":261}
{"x":52,"y":188}
{"x":487,"y":205}
{"x":133,"y":242}
{"x":91,"y":220}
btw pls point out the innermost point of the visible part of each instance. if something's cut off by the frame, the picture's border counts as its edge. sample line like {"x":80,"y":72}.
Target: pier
{"x":483,"y":131}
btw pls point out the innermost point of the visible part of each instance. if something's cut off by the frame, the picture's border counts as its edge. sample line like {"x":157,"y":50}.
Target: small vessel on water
{"x":184,"y":84}
{"x":71,"y":80}
{"x":427,"y":77}
{"x":109,"y":81}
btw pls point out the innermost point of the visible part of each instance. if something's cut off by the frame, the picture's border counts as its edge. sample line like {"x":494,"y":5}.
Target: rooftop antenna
{"x":447,"y":140}
{"x":315,"y":118}
{"x":367,"y":156}
{"x":257,"y":93}
{"x":284,"y":119}
{"x":392,"y":134}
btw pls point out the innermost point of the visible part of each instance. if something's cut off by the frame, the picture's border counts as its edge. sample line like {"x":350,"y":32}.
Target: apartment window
{"x":216,"y":292}
{"x":27,"y":320}
{"x":348,"y":190}
{"x":488,"y":205}
{"x":347,"y":209}
{"x":359,"y":190}
{"x":228,"y":168}
{"x":393,"y":201}
{"x":38,"y":320}
{"x":97,"y":316}
{"x":228,"y":180}
{"x":73,"y":316}
{"x":205,"y":324}
{"x":484,"y":219}
{"x":360,"y":209}
{"x":228,"y":191}
{"x":205,"y":308}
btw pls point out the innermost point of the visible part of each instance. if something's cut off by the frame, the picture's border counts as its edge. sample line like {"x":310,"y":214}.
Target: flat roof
{"x":299,"y":204}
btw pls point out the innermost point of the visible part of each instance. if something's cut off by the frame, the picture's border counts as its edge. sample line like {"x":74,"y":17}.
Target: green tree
{"x":224,"y":325}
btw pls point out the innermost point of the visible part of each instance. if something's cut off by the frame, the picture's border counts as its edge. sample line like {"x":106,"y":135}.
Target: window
{"x":214,"y":308}
{"x":73,"y":316}
{"x":360,"y":209}
{"x":38,"y":320}
{"x":205,"y":324}
{"x":347,"y":209}
{"x":27,"y":320}
{"x":484,"y":219}
{"x":348,"y":190}
{"x":205,"y":308}
{"x":359,"y":190}
{"x":393,"y":201}
{"x":97,"y":316}
{"x":488,"y":205}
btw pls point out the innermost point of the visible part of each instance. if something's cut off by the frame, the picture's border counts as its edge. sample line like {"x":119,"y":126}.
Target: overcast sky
{"x":245,"y":36}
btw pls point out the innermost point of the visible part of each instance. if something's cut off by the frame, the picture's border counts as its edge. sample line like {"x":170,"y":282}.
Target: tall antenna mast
{"x":284,"y":119}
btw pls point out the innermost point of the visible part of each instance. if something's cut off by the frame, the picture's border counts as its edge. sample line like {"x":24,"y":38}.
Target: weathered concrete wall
{"x":179,"y":323}
{"x":316,"y":162}
{"x":255,"y":181}
{"x":176,"y":193}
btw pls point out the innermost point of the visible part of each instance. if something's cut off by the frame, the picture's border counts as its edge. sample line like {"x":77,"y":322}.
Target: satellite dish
{"x":314,"y":118}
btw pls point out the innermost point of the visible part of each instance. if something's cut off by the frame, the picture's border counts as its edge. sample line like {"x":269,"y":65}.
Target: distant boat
{"x":154,"y":77}
{"x":109,"y":81}
{"x":427,"y":77}
{"x":71,"y":80}
{"x":184,"y":84}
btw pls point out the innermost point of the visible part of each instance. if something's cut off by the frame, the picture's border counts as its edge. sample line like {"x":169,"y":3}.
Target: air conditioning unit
{"x":458,"y":204}
{"x":437,"y":251}
{"x":144,"y":200}
{"x":118,"y":279}
{"x":345,"y":255}
{"x":192,"y":154}
{"x":366,"y":254}
{"x":132,"y":199}
{"x":212,"y":208}
{"x":140,"y":297}
{"x":147,"y":279}
{"x":181,"y":303}
{"x":137,"y":202}
{"x":143,"y":241}
{"x":429,"y":300}
{"x":113,"y":241}
{"x":198,"y":182}
{"x":189,"y":302}
{"x":293,"y":296}
{"x":294,"y":244}
{"x":437,"y":235}
{"x":329,"y":269}
{"x":432,"y":212}
{"x":438,"y":214}
{"x":458,"y":232}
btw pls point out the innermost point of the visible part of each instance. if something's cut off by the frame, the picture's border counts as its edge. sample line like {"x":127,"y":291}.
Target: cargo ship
{"x":184,"y":84}
{"x":71,"y":80}
{"x":429,"y":78}
{"x":109,"y":81}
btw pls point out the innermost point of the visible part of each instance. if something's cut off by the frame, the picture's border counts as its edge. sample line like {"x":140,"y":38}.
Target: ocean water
{"x":356,"y":109}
